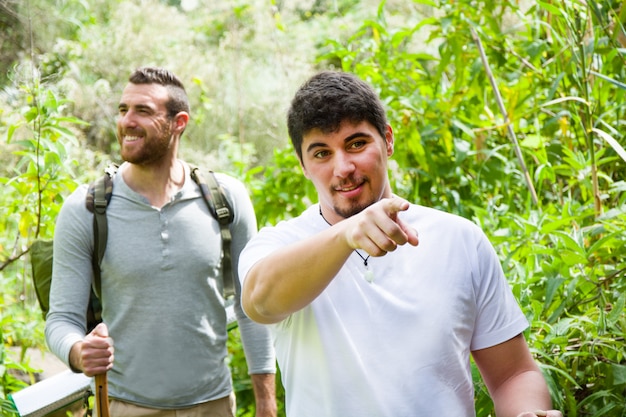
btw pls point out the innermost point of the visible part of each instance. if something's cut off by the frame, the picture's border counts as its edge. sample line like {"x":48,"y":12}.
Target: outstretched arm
{"x":292,"y":277}
{"x":514,"y":380}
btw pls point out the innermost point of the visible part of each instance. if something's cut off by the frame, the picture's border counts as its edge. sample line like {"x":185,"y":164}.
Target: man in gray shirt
{"x":161,"y":277}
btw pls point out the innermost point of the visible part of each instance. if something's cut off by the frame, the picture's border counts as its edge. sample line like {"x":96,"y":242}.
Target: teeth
{"x":131,"y":138}
{"x":349,"y":189}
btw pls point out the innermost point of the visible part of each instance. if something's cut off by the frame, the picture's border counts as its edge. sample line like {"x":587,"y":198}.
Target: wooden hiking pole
{"x":102,"y":395}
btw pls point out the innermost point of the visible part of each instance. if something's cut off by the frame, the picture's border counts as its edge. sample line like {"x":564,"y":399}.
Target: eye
{"x":321,"y":154}
{"x":357,"y":144}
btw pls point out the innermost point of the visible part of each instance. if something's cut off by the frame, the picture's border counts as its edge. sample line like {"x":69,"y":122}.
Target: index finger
{"x":394,"y":205}
{"x":411,"y":234}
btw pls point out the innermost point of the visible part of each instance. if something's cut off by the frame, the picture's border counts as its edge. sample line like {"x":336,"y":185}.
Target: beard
{"x":153,"y":149}
{"x":351,"y":210}
{"x":353,"y":207}
{"x":145,"y":156}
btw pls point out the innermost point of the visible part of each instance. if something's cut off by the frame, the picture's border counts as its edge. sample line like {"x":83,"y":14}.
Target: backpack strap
{"x":221,"y":210}
{"x":97,"y":200}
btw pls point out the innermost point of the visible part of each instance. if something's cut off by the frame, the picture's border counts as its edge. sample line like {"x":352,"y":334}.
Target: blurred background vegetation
{"x":511,"y":114}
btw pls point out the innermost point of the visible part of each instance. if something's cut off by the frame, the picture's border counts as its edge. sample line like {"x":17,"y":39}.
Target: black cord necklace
{"x":369,"y":273}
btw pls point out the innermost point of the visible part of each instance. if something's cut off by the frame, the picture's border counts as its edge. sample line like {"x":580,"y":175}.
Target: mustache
{"x":349,"y":182}
{"x":133,"y":132}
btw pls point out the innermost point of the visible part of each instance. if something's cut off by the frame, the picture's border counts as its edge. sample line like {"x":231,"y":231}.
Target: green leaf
{"x":532,"y":142}
{"x":619,"y":374}
{"x":611,"y":141}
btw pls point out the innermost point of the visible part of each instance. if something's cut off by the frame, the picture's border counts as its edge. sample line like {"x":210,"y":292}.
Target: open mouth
{"x":350,"y":191}
{"x":347,"y":189}
{"x":131,"y":138}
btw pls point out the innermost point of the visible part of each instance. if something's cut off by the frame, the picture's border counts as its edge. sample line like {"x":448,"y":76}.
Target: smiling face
{"x":144,"y":131}
{"x":348,"y":167}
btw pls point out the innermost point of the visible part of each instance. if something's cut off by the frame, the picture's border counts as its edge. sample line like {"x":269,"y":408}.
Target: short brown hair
{"x":178,"y":100}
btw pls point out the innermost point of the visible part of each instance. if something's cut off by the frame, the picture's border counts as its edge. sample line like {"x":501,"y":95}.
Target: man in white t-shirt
{"x":365,"y":321}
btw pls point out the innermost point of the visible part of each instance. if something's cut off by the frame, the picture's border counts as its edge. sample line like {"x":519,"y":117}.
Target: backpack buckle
{"x":222,"y":213}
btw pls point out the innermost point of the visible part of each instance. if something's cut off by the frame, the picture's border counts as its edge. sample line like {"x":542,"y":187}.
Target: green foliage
{"x":334,"y":8}
{"x":242,"y":382}
{"x":8,"y":381}
{"x":227,"y":49}
{"x":570,"y":279}
{"x":450,"y":141}
{"x":40,"y":140}
{"x":279,"y":191}
{"x":11,"y":34}
{"x":37,"y":145}
{"x":558,"y":68}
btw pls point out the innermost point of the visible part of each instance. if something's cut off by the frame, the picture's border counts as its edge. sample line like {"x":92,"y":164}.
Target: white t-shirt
{"x":399,"y":346}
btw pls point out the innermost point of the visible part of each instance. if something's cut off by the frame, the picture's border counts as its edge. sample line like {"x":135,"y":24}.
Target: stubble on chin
{"x":351,"y":209}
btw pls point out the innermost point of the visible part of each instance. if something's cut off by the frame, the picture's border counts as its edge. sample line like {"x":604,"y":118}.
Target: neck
{"x":157,"y":184}
{"x":365,"y":259}
{"x":323,"y":217}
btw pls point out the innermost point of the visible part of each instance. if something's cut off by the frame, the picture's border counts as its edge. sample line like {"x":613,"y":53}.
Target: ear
{"x":389,"y":140}
{"x":180,"y":121}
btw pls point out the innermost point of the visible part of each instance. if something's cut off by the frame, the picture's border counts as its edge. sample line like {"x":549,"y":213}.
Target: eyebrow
{"x":138,"y":106}
{"x":346,"y":140}
{"x":315,"y":145}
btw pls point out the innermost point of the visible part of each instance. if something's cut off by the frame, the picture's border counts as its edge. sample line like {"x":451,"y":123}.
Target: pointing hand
{"x":378,"y":229}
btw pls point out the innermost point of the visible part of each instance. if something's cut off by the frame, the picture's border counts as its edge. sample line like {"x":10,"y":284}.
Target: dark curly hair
{"x":327,"y":99}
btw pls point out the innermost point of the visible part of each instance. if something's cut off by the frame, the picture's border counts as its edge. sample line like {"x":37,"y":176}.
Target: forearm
{"x":61,"y":337}
{"x":74,"y":357}
{"x":526,"y":392}
{"x":264,"y":386}
{"x":290,"y":278}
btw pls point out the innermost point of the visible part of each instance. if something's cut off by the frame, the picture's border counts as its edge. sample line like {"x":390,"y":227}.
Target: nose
{"x":126,"y":119}
{"x":344,"y":165}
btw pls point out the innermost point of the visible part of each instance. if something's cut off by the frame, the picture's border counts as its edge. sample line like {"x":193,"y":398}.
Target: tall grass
{"x":558,"y":69}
